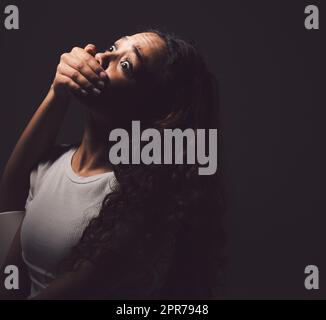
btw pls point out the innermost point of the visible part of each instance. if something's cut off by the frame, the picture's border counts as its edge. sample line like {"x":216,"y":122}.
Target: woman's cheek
{"x":118,"y":80}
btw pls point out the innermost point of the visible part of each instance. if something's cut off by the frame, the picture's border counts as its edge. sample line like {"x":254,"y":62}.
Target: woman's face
{"x":130,"y":63}
{"x":131,"y":57}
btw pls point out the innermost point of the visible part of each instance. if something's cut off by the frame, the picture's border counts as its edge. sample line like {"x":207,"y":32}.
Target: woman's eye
{"x":126,"y":66}
{"x":112,"y":48}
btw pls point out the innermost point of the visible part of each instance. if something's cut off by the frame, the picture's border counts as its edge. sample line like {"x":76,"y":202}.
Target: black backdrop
{"x":271,"y":72}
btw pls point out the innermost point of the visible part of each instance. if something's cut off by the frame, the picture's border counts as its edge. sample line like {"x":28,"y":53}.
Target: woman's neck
{"x":91,"y":156}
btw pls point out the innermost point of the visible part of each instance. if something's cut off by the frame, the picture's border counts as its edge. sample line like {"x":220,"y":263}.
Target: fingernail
{"x":84,"y":92}
{"x":101,"y":84}
{"x":103,"y":75}
{"x":96,"y":91}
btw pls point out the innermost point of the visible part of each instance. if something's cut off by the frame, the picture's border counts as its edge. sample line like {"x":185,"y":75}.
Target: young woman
{"x":96,"y":230}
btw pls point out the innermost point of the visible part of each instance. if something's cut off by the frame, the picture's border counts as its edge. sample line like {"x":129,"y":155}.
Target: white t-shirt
{"x":59,"y":206}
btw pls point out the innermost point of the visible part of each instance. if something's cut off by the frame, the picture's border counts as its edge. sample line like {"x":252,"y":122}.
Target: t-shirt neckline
{"x":79,"y":179}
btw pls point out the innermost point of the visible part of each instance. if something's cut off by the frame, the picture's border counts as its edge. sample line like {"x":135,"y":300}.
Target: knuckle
{"x":65,"y":80}
{"x":63,"y":56}
{"x":74,"y":49}
{"x":75,"y":75}
{"x":57,"y":77}
{"x":73,"y":85}
{"x":88,"y":59}
{"x":79,"y":65}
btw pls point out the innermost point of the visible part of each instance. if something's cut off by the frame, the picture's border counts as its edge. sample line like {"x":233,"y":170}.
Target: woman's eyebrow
{"x":135,"y":49}
{"x":138,"y":54}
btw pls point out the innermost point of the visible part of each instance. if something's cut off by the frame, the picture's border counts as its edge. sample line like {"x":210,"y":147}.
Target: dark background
{"x":271,"y":72}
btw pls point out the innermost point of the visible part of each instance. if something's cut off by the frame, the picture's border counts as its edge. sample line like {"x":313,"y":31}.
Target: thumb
{"x":91,"y":49}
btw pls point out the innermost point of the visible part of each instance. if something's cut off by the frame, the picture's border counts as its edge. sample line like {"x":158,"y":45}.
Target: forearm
{"x":36,"y":139}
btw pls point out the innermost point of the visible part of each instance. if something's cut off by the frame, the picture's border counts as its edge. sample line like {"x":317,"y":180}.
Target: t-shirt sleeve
{"x":31,"y":187}
{"x":40,"y":170}
{"x":35,"y":180}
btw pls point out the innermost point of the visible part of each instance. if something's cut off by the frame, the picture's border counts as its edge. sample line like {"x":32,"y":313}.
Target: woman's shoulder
{"x":50,"y":157}
{"x":55,"y":152}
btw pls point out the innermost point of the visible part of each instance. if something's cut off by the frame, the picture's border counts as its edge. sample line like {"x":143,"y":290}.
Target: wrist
{"x":59,"y":96}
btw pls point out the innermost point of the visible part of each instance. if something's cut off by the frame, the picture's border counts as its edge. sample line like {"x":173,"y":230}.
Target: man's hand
{"x":79,"y":73}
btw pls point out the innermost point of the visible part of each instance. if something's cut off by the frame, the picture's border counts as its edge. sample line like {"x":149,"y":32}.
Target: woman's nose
{"x":104,"y":58}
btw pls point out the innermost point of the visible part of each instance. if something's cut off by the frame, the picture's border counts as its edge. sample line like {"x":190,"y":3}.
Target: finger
{"x":78,"y":78}
{"x":91,"y":49}
{"x":90,"y":60}
{"x":100,"y":57}
{"x":84,"y":69}
{"x":73,"y":86}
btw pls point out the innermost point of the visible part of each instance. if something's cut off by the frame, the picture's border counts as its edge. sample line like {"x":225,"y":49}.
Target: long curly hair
{"x":159,"y":233}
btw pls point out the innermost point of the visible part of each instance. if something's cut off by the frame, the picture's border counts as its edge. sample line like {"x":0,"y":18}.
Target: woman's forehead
{"x":150,"y":45}
{"x":148,"y":39}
